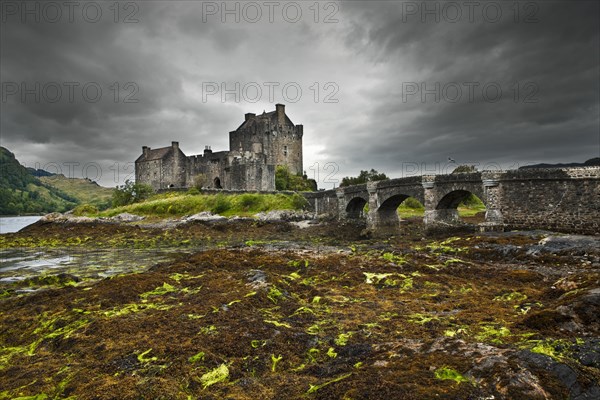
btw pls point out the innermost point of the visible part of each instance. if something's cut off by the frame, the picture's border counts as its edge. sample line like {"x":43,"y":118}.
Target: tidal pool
{"x":26,"y":269}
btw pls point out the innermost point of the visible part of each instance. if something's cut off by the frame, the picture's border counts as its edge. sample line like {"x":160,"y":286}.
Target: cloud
{"x":543,"y":56}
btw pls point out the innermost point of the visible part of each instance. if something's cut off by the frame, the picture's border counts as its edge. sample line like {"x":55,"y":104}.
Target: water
{"x":23,"y":264}
{"x":15,"y":224}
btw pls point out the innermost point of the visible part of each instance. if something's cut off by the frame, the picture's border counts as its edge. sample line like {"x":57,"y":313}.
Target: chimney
{"x":248,"y":116}
{"x":175,"y":145}
{"x":207,"y":150}
{"x":145,"y":150}
{"x":280,"y":108}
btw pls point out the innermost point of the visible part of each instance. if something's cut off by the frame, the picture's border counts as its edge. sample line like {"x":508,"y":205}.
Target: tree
{"x":285,"y":180}
{"x":130,"y":193}
{"x":464,"y":169}
{"x":364,"y":177}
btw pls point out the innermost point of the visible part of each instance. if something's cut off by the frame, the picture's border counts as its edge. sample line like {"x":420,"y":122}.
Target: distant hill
{"x":39,"y":172}
{"x":592,"y":162}
{"x":23,"y":193}
{"x":84,"y":190}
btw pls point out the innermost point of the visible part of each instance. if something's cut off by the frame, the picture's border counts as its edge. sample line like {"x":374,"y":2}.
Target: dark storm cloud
{"x":374,"y":53}
{"x":552,"y":115}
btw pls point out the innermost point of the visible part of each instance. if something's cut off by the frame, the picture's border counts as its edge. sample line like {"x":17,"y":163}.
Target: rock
{"x":65,"y":218}
{"x":285,"y":215}
{"x":53,"y":217}
{"x":305,"y":224}
{"x":126,"y":217}
{"x":569,"y":244}
{"x":564,"y":373}
{"x":204,"y":216}
{"x":381,"y":363}
{"x":257,"y":279}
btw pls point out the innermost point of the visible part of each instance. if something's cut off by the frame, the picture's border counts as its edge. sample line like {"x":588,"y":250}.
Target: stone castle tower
{"x":260,"y":144}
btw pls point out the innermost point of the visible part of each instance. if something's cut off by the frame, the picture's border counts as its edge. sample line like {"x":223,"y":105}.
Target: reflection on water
{"x":21,"y":264}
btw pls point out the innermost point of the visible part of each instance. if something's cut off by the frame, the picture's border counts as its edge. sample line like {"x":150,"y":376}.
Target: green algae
{"x":219,"y":374}
{"x":133,"y":308}
{"x":278,"y":324}
{"x":492,"y":333}
{"x":208,"y":330}
{"x":274,"y":361}
{"x":41,"y":396}
{"x":447,"y":373}
{"x":197,"y":357}
{"x":274,"y":294}
{"x":343,"y":338}
{"x":557,"y":349}
{"x":255,"y":344}
{"x":395,"y":259}
{"x":315,"y":388}
{"x":443,"y":247}
{"x":143,"y":359}
{"x":421,"y":319}
{"x":511,"y":297}
{"x":159,"y":291}
{"x":331,"y":352}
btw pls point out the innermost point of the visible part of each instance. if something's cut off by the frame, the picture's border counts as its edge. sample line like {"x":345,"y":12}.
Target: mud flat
{"x":244,"y":309}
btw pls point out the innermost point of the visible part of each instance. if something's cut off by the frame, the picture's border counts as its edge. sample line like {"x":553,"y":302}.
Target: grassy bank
{"x":180,"y":204}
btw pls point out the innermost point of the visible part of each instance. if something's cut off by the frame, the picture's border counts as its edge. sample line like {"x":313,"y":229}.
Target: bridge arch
{"x":453,"y":199}
{"x":355,"y":207}
{"x":386,"y":214}
{"x":446,"y":209}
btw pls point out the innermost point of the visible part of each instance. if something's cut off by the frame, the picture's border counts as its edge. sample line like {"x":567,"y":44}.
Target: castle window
{"x":285,"y":152}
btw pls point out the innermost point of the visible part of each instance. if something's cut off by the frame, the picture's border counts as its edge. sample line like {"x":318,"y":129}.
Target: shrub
{"x":411,"y":202}
{"x":285,"y":180}
{"x":249,"y":201}
{"x":222,"y":203}
{"x":85,"y":209}
{"x":130,"y":193}
{"x":299,"y":202}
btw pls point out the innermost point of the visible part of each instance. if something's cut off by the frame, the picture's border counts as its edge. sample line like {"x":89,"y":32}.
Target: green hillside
{"x":23,"y":193}
{"x":83,"y":190}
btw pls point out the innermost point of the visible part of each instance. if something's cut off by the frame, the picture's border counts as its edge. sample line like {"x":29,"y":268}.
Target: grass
{"x":180,"y":204}
{"x":83,"y":190}
{"x":412,"y":208}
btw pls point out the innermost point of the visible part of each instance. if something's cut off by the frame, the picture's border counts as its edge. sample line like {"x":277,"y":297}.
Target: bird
{"x":451,"y":160}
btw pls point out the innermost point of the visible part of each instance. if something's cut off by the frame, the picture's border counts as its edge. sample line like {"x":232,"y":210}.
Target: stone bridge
{"x":564,"y":200}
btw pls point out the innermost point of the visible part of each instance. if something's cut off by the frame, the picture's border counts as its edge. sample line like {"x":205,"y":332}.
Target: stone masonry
{"x":560,"y":199}
{"x":260,"y":144}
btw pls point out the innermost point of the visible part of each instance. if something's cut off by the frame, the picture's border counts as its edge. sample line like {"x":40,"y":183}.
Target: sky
{"x":398,"y":86}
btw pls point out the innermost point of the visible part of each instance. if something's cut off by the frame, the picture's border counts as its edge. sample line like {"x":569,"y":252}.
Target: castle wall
{"x":273,"y":135}
{"x":256,"y":148}
{"x":285,"y":148}
{"x":167,"y":171}
{"x":148,"y":173}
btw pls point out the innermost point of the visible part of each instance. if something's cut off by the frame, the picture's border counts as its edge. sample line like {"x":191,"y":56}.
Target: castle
{"x":260,"y":144}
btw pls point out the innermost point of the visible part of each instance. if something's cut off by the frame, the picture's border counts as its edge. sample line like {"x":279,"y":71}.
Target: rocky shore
{"x":288,"y":306}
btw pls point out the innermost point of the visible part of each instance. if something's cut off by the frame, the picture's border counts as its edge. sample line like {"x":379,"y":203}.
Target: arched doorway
{"x":217,"y":183}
